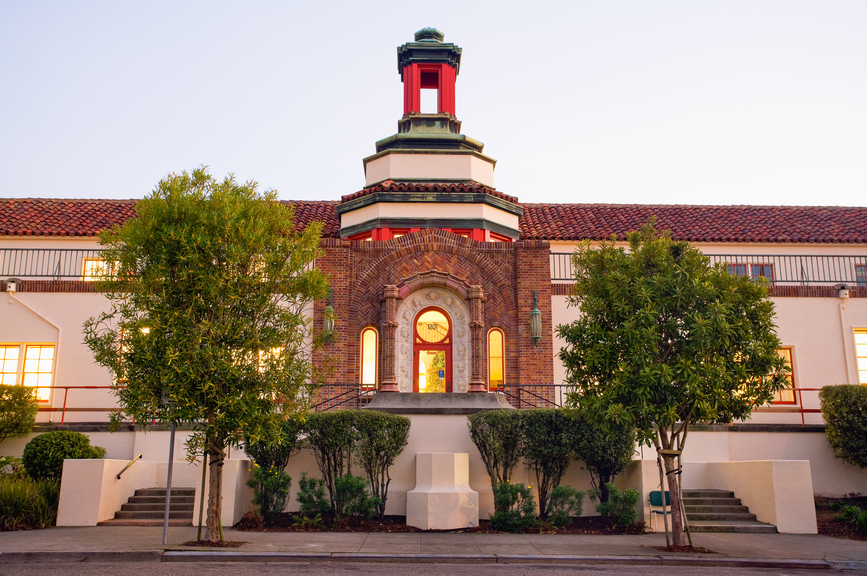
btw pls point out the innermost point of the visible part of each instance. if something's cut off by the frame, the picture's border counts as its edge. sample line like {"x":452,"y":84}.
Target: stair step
{"x":742,"y":516}
{"x":173,"y":507}
{"x":732,"y":526}
{"x":162,"y":492}
{"x":711,"y":501}
{"x":158,"y":499}
{"x":708,"y":493}
{"x":156,"y":514}
{"x":716,"y":509}
{"x":116,"y":522}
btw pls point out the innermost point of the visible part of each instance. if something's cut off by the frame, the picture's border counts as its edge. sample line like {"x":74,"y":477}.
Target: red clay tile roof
{"x":797,"y":224}
{"x":57,"y":217}
{"x":824,"y":224}
{"x":447,"y":187}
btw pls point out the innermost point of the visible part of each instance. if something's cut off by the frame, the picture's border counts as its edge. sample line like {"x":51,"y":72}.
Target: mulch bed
{"x":684,"y":549}
{"x":286,"y":523}
{"x":213,"y":543}
{"x":839,"y":529}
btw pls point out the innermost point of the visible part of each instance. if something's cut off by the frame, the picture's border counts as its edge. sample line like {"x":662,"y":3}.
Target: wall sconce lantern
{"x":328,"y":323}
{"x":535,"y":321}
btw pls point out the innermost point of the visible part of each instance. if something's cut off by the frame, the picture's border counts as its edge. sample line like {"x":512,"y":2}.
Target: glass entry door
{"x":432,"y":352}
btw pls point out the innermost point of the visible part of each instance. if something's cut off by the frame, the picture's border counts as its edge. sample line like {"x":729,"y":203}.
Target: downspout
{"x":844,"y":334}
{"x":14,"y":296}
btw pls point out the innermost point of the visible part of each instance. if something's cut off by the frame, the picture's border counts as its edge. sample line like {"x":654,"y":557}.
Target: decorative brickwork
{"x":534,"y":274}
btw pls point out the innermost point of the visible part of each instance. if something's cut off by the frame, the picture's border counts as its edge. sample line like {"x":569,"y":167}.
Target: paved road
{"x":320,"y":568}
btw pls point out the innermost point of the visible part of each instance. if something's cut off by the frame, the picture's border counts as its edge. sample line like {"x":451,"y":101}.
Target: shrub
{"x":18,"y":407}
{"x":565,"y":503}
{"x":44,"y":455}
{"x":548,"y":447}
{"x":620,"y":509}
{"x":844,"y":408}
{"x":514,"y":508}
{"x":352,"y":499}
{"x":380,"y":439}
{"x":331,"y":438}
{"x":498,"y":434}
{"x":605,"y":453}
{"x":311,"y":496}
{"x":852,"y":514}
{"x":270,"y":491}
{"x":275,"y":451}
{"x":26,"y":504}
{"x":11,"y":467}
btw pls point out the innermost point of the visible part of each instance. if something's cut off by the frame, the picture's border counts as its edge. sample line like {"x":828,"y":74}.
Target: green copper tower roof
{"x":429,"y":47}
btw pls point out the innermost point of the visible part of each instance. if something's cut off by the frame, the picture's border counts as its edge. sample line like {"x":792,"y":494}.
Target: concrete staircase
{"x":720,"y":511}
{"x":147,"y":508}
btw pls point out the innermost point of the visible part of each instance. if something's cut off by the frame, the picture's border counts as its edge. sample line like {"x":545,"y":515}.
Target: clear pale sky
{"x":663,"y":102}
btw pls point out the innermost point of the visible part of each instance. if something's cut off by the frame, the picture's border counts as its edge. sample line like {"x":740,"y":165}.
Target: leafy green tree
{"x":666,"y":340}
{"x":18,"y":407}
{"x":605,"y":452}
{"x":331,"y":437}
{"x":380,"y":439}
{"x":499,"y":437}
{"x":549,"y":438}
{"x":206,"y":323}
{"x":844,"y":408}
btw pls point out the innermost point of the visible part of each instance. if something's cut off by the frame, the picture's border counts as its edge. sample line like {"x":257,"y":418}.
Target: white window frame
{"x":22,"y":357}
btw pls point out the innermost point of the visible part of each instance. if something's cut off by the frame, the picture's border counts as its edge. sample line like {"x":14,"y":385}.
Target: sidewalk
{"x":136,"y":543}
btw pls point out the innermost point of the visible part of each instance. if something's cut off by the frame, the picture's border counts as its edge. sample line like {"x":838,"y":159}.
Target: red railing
{"x":64,"y":409}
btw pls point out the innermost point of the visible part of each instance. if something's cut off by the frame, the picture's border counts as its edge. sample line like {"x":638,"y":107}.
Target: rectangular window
{"x":96,"y":269}
{"x":861,"y":354}
{"x":787,"y":394}
{"x":861,"y":274}
{"x":36,"y":369}
{"x":753,"y":271}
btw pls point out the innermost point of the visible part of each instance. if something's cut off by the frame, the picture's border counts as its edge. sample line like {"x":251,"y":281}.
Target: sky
{"x":652,"y":102}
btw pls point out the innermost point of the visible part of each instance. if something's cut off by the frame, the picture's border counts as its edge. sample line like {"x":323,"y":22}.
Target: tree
{"x":18,"y":408}
{"x":379,"y":441}
{"x":666,"y":340}
{"x":549,"y":436}
{"x":499,"y":437}
{"x":205,"y":325}
{"x":605,"y":453}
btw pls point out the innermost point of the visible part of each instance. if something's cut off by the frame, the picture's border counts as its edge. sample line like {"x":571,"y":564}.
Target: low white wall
{"x":90,"y":491}
{"x":779,"y":492}
{"x":237,"y":496}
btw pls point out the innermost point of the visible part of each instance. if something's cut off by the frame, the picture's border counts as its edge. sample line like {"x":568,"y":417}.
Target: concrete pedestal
{"x":442,"y":498}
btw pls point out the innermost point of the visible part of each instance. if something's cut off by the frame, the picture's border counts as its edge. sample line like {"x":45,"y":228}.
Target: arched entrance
{"x":432,"y":351}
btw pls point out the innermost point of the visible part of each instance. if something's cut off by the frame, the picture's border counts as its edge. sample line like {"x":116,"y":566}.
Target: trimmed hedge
{"x":499,"y":436}
{"x":44,"y":455}
{"x":18,"y":407}
{"x":844,"y":407}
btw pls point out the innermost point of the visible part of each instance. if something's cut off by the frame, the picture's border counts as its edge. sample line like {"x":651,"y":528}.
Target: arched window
{"x":496,"y":359}
{"x":368,"y":357}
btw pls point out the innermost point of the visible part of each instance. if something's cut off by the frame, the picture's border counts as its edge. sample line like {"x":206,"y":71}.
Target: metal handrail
{"x":786,"y":270}
{"x":131,"y":462}
{"x":54,"y":263}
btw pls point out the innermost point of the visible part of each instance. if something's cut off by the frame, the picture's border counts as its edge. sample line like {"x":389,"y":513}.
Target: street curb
{"x":668,"y":560}
{"x":48,"y":557}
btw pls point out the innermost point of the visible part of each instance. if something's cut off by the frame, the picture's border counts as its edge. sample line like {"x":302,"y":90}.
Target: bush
{"x":311,"y":496}
{"x":380,"y":439}
{"x":44,"y":455}
{"x":605,"y":453}
{"x":620,"y":509}
{"x":514,"y":508}
{"x":18,"y":407}
{"x":852,"y":514}
{"x":275,"y":451}
{"x":270,"y":491}
{"x":331,"y":438}
{"x":352,"y":499}
{"x":565,"y":503}
{"x":844,"y":408}
{"x":549,"y":436}
{"x":27,"y":504}
{"x":498,"y":434}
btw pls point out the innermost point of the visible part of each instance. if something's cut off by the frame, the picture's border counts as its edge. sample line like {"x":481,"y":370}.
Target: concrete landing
{"x":437,"y":403}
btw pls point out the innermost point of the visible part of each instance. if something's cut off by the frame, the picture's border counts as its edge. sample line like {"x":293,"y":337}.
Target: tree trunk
{"x":215,"y":488}
{"x":673,"y":480}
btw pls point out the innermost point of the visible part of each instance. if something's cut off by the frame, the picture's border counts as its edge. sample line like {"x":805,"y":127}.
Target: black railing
{"x":342,"y":397}
{"x":526,"y":396}
{"x":780,"y":270}
{"x":54,"y":263}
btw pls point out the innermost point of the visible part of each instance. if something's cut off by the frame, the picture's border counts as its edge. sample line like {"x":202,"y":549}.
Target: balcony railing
{"x":779,"y":270}
{"x":46,"y":263}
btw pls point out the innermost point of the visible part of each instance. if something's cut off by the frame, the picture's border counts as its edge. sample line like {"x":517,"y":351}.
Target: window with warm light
{"x":97,"y":269}
{"x":787,"y":394}
{"x":861,"y":354}
{"x":368,"y":357}
{"x":496,"y":365}
{"x":36,"y":370}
